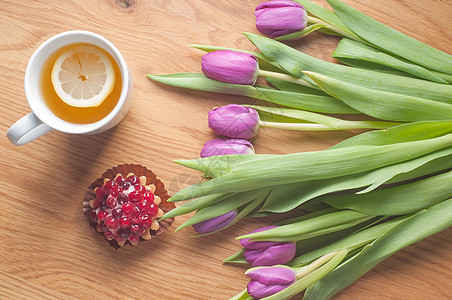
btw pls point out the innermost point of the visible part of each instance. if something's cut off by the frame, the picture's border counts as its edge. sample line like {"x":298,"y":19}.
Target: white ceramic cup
{"x":42,"y":120}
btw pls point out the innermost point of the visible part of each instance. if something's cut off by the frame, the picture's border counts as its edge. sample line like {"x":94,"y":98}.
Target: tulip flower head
{"x":226,"y":147}
{"x":266,"y":281}
{"x":230,"y":66}
{"x":234,"y":121}
{"x":264,"y":253}
{"x":280,"y":17}
{"x":216,"y":223}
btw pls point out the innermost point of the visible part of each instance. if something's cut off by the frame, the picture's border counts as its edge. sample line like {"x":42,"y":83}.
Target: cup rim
{"x":49,"y":118}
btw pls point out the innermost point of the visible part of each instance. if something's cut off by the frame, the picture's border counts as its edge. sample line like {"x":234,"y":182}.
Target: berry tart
{"x":125,"y":203}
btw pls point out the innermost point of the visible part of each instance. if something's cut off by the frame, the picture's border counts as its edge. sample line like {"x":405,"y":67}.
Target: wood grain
{"x":47,"y":248}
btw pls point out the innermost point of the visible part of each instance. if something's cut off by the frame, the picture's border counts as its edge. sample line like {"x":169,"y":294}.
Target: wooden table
{"x":48,"y":250}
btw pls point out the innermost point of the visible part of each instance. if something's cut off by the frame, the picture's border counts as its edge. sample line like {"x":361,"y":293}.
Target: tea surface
{"x":79,"y":115}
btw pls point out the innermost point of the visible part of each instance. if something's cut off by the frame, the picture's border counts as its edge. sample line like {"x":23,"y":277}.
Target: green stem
{"x":295,"y":126}
{"x":326,"y":267}
{"x":341,"y":125}
{"x":315,"y":121}
{"x":303,"y":271}
{"x":288,"y":78}
{"x":328,"y":26}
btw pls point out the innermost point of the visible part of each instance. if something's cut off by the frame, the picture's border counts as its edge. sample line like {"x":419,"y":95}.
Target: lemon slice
{"x":83,"y":76}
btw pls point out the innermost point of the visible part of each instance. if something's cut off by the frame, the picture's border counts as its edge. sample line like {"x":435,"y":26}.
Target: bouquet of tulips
{"x":366,"y":197}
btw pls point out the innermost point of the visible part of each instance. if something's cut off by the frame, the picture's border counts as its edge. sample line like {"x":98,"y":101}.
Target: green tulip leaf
{"x":287,"y":86}
{"x":399,"y":134}
{"x":295,"y":62}
{"x":196,"y":204}
{"x":303,"y":228}
{"x":307,"y":101}
{"x":391,"y":40}
{"x":225,"y":205}
{"x":219,"y":165}
{"x":298,"y":167}
{"x":415,"y":228}
{"x":384,"y":105}
{"x":237,"y":257}
{"x":355,"y":240}
{"x":286,"y":197}
{"x":348,"y":51}
{"x":327,"y":16}
{"x":398,"y":200}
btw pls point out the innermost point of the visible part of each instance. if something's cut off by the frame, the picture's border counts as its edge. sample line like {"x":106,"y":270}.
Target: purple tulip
{"x":280,"y":17}
{"x":216,"y":223}
{"x":226,"y":146}
{"x":230,"y":66}
{"x":234,"y":121}
{"x":264,"y":253}
{"x":266,"y":281}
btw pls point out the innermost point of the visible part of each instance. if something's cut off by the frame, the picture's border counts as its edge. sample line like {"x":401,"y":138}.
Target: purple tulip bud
{"x":226,"y":146}
{"x":230,"y":66}
{"x":271,"y":256}
{"x":280,"y":17}
{"x":265,"y":253}
{"x":216,"y":223}
{"x":266,"y":281}
{"x":234,"y":121}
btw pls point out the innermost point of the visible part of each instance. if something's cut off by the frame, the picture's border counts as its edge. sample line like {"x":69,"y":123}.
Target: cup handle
{"x":26,"y":129}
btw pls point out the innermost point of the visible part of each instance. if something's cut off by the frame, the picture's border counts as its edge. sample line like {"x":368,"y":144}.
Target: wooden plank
{"x":48,"y":250}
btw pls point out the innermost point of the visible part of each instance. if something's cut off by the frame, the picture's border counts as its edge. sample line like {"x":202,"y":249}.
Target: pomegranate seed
{"x":99,"y":193}
{"x":115,"y":190}
{"x":148,"y":196}
{"x":145,"y":205}
{"x":116,"y":213}
{"x":93,"y":216}
{"x":135,"y":196}
{"x":133,"y":179}
{"x":135,"y":220}
{"x":145,"y":220}
{"x":102,"y":214}
{"x":110,"y":184}
{"x":120,"y":180}
{"x":134,"y":239}
{"x":127,"y":208}
{"x":124,"y":222}
{"x":111,"y":223}
{"x":153,"y":209}
{"x":126,"y":186}
{"x":136,"y":229}
{"x":136,"y":211}
{"x":140,"y":188}
{"x":111,"y":202}
{"x":122,"y":198}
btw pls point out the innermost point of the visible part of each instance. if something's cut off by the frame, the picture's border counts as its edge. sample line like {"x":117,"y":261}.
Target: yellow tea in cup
{"x":64,"y":83}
